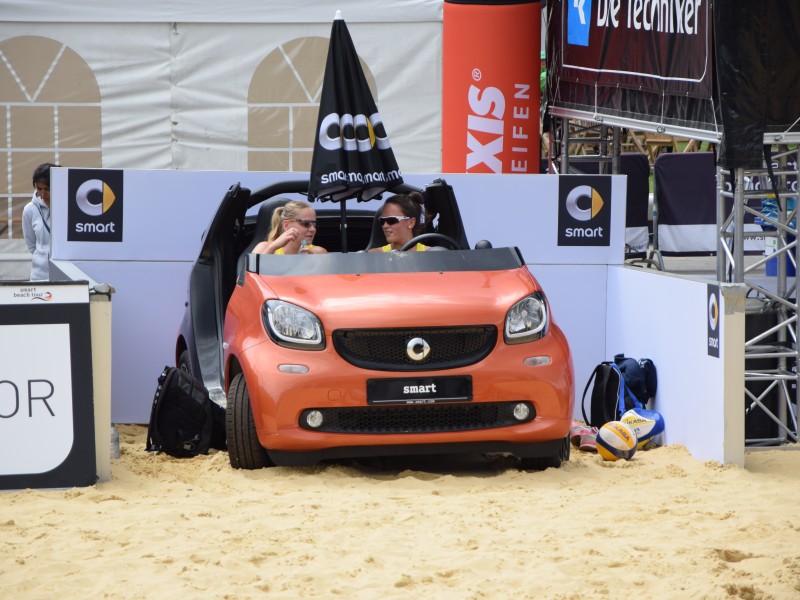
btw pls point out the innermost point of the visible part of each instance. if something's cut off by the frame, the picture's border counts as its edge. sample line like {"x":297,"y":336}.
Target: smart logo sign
{"x":713,"y":320}
{"x":95,"y":205}
{"x":584,"y":211}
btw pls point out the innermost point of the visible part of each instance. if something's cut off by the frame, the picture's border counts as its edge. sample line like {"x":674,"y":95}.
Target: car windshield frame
{"x":358,"y":263}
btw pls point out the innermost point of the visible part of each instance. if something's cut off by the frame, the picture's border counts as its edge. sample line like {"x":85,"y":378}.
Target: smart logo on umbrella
{"x":95,"y":205}
{"x":353,"y":132}
{"x":584,"y":211}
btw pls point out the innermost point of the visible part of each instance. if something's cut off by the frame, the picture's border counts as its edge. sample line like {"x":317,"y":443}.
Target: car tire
{"x":184,"y":363}
{"x":540,"y":463}
{"x":244,"y":449}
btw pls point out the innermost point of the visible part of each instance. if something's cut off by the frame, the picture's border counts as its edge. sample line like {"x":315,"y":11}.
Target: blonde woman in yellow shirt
{"x":292,"y":231}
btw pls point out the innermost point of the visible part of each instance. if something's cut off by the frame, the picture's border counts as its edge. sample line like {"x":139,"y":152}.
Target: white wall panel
{"x":167,"y":211}
{"x":665,"y":317}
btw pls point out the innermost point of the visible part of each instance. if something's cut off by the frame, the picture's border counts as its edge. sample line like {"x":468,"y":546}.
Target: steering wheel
{"x":431,"y":236}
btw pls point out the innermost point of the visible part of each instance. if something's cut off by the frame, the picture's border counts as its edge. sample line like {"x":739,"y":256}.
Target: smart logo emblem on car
{"x":417,"y":349}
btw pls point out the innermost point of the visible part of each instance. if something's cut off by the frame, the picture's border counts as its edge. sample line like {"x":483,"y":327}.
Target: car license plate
{"x":419,"y":390}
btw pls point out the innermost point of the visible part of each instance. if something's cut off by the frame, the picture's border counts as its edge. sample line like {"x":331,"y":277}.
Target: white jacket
{"x":36,"y":229}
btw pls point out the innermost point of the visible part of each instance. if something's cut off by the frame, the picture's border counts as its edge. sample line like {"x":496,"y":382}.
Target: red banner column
{"x":490,"y":96}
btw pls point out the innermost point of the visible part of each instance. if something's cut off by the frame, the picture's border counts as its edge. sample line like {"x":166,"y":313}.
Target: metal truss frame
{"x":771,"y":352}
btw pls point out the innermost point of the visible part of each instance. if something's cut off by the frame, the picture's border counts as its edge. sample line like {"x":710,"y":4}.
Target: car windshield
{"x":334,"y":263}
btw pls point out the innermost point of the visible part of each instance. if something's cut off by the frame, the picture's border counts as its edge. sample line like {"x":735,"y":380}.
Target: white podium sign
{"x":46,"y":400}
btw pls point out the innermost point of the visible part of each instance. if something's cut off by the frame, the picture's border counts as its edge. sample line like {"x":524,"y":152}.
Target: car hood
{"x":403,"y":299}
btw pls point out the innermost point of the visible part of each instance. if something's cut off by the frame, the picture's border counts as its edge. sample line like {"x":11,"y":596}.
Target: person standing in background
{"x":36,"y":223}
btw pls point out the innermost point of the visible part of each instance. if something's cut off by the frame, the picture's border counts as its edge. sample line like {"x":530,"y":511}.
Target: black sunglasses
{"x":392,"y":220}
{"x":304,"y":222}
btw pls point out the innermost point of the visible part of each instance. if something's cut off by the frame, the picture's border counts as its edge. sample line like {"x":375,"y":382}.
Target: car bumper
{"x":279,"y":399}
{"x":311,"y":457}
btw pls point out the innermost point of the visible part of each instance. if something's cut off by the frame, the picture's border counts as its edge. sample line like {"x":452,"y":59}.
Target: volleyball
{"x":616,"y":440}
{"x":646,"y":423}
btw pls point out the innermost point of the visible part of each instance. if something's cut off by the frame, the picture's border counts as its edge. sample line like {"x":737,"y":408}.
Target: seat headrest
{"x":264,"y":221}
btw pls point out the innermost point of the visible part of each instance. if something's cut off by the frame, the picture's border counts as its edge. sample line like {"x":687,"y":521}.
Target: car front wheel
{"x":244,"y":449}
{"x":540,"y":463}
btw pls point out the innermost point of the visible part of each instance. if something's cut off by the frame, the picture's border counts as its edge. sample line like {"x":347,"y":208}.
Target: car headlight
{"x":526,"y":320}
{"x":292,"y":326}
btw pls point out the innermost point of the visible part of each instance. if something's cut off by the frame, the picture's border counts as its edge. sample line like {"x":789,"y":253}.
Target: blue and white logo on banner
{"x":579,"y":14}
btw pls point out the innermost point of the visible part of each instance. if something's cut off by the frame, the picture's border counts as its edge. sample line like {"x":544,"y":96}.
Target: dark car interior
{"x":363,"y":230}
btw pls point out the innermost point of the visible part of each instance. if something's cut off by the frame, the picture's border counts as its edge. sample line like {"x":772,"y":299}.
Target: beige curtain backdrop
{"x":198,"y":95}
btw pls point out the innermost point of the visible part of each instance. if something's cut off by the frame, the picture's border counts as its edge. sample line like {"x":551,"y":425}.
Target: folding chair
{"x":686,"y":201}
{"x":638,"y":227}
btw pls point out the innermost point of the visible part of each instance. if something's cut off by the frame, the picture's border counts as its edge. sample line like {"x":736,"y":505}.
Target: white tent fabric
{"x":200,"y":11}
{"x":173,"y":77}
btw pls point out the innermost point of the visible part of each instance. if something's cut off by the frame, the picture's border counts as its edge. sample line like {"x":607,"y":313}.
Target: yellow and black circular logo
{"x":584,"y":210}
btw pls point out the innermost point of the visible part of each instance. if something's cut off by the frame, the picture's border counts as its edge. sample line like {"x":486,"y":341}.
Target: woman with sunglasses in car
{"x":400,"y":221}
{"x":292,"y":231}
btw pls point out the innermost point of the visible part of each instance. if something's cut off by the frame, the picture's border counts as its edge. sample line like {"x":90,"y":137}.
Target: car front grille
{"x":387,"y":349}
{"x":417,"y":418}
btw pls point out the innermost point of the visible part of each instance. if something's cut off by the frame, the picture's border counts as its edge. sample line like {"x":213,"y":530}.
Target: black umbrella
{"x":352,"y":154}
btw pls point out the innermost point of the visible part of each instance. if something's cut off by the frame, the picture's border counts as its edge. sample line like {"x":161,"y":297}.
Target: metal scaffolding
{"x":772,"y":326}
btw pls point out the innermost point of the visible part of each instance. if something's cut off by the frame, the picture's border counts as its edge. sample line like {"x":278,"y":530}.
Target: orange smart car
{"x":355,"y":354}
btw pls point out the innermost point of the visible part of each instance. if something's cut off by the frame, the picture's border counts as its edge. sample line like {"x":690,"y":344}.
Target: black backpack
{"x":619,"y":385}
{"x":184,"y":421}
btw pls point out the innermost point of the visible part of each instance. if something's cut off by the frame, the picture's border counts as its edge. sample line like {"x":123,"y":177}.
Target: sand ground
{"x":662,"y":525}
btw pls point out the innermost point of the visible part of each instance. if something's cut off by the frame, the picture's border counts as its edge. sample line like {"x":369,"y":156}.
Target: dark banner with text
{"x":648,"y":60}
{"x":641,"y":44}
